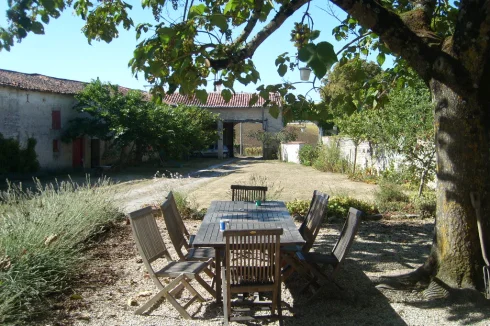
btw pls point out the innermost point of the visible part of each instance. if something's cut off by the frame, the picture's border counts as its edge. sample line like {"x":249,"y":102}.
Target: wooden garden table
{"x":244,"y":215}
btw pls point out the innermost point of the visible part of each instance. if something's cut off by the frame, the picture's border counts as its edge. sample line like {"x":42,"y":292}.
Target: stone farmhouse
{"x":38,"y":106}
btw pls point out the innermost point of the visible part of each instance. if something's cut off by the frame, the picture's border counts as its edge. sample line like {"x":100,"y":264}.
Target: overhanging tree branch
{"x":250,"y":24}
{"x":247,"y":52}
{"x":412,"y":44}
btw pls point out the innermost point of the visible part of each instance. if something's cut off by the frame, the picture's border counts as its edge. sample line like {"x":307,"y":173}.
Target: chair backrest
{"x":303,"y":224}
{"x":147,"y":236}
{"x":248,"y":193}
{"x":179,"y":220}
{"x":314,"y":219}
{"x":252,"y":256}
{"x":347,"y":234}
{"x":172,"y":221}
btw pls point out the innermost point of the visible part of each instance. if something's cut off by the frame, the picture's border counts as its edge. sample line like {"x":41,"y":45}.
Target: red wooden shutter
{"x":56,"y":146}
{"x":56,"y":119}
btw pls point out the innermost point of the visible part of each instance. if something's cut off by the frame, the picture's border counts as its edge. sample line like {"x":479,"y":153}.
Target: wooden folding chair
{"x":312,"y":265}
{"x":309,"y":230}
{"x":252,"y":264}
{"x":152,"y":248}
{"x":181,"y":244}
{"x":248,"y":193}
{"x":178,"y":218}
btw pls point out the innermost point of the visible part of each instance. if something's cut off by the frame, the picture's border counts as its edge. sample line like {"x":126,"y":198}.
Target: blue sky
{"x":64,"y":52}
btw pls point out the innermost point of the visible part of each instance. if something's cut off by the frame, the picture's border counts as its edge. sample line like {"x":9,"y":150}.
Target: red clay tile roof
{"x":215,"y":100}
{"x":42,"y":83}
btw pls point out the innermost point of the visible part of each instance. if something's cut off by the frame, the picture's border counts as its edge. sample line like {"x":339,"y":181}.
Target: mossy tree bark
{"x":457,"y":70}
{"x":462,"y":167}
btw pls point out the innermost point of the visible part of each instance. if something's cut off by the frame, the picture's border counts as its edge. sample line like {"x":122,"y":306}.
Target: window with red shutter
{"x":56,"y":119}
{"x":56,"y":146}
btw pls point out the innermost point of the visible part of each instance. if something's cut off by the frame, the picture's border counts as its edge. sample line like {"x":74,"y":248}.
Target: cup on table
{"x":224,"y":224}
{"x":258,"y":202}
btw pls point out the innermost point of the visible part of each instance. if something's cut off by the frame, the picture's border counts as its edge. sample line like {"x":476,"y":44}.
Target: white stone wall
{"x":25,"y":114}
{"x":258,"y":114}
{"x":366,"y":156}
{"x":290,"y":151}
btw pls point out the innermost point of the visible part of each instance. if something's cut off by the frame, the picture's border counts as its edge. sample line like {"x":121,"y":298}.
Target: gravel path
{"x":115,"y":277}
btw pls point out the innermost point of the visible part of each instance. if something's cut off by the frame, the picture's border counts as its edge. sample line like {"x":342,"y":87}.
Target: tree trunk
{"x":422,"y":181}
{"x":355,"y":159}
{"x":461,"y":128}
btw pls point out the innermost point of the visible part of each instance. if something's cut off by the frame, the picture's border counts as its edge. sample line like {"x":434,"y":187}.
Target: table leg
{"x":218,"y":274}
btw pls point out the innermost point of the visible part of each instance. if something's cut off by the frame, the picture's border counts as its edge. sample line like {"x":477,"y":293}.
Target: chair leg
{"x":159,"y":295}
{"x":177,"y":306}
{"x":226,"y":312}
{"x":191,"y":289}
{"x":279,"y":305}
{"x":206,"y":286}
{"x":486,"y":280}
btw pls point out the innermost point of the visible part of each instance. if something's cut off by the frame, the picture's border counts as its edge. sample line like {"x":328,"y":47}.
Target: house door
{"x":77,"y":153}
{"x":94,"y":153}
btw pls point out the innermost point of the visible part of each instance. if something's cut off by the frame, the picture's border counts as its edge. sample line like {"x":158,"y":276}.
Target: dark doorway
{"x":78,"y":153}
{"x":94,"y":153}
{"x":228,"y":136}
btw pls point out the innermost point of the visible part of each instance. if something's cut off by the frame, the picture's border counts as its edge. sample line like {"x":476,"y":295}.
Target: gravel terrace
{"x":114,"y":275}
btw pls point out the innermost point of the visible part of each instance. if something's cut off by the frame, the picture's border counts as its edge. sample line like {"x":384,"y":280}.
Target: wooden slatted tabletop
{"x":246,"y":215}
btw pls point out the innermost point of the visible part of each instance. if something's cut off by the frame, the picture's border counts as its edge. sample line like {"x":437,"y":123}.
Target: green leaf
{"x":307,"y":52}
{"x":274,"y":111}
{"x":231,"y":6}
{"x":165,"y":34}
{"x":279,"y":60}
{"x":318,"y":67}
{"x":314,"y":34}
{"x":37,"y":28}
{"x":197,"y":10}
{"x":227,"y":95}
{"x":220,"y":21}
{"x":282,"y":70}
{"x":253,"y":100}
{"x":326,"y":53}
{"x":202,"y":95}
{"x":381,"y":58}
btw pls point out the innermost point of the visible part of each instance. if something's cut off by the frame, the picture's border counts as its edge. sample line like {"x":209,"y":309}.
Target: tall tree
{"x":131,"y":121}
{"x":446,"y":45}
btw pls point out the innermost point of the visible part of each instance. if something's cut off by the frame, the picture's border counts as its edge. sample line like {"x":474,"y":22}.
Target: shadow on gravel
{"x":406,"y":243}
{"x":402,"y":244}
{"x":360,"y":303}
{"x":466,"y":307}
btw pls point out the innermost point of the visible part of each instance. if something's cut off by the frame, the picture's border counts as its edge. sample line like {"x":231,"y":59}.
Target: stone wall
{"x":25,"y":114}
{"x":367,"y":157}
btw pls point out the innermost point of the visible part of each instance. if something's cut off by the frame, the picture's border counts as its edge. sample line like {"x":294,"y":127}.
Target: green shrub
{"x":42,"y":238}
{"x":14,"y":159}
{"x":298,"y":207}
{"x":401,"y":176}
{"x":308,"y":154}
{"x":338,"y":206}
{"x":253,"y":151}
{"x":330,"y":160}
{"x":390,"y":197}
{"x":187,"y":208}
{"x":367,"y":175}
{"x":425,"y":205}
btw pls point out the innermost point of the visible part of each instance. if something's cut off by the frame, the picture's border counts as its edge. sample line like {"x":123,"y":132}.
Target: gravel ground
{"x":114,"y":275}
